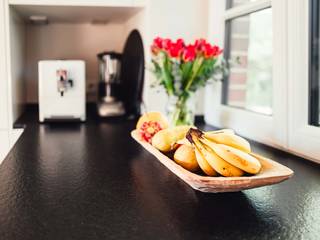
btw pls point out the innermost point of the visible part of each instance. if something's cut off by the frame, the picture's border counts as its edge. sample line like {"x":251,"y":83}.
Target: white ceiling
{"x":78,"y":14}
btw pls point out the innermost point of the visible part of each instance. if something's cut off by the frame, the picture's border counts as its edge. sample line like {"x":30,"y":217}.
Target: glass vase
{"x":181,"y":110}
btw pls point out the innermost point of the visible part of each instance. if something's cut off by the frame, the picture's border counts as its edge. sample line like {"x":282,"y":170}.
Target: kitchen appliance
{"x":132,"y":74}
{"x":62,"y":90}
{"x":109,"y":104}
{"x":121,"y":79}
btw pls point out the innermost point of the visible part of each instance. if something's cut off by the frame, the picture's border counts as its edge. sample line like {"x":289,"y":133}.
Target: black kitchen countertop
{"x":92,"y":181}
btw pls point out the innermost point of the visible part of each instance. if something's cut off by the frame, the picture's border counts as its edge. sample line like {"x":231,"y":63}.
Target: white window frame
{"x":288,"y":128}
{"x":271,"y":130}
{"x":304,"y":139}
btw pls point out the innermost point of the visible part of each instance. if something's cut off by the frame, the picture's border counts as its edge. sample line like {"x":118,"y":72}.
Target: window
{"x":280,"y":100}
{"x":249,"y":83}
{"x":235,"y":3}
{"x":303,"y":78}
{"x":253,"y":98}
{"x":314,"y":87}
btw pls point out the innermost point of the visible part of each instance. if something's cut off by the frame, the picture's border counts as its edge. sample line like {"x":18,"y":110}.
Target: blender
{"x":109,"y":104}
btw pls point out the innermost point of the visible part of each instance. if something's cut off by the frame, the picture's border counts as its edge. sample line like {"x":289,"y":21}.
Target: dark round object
{"x":132,"y":73}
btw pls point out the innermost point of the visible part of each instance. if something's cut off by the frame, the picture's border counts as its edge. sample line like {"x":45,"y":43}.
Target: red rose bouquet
{"x":182,"y":69}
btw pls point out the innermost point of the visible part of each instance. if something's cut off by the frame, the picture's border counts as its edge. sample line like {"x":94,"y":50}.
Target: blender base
{"x":110,"y":109}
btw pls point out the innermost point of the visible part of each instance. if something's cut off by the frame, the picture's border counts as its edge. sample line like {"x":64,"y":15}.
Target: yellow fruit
{"x":230,"y":140}
{"x":230,"y":131}
{"x":204,"y":165}
{"x":166,"y":139}
{"x":153,"y":117}
{"x":180,"y":132}
{"x":163,"y":141}
{"x":186,"y":158}
{"x":236,"y":157}
{"x":184,"y":141}
{"x":219,"y":164}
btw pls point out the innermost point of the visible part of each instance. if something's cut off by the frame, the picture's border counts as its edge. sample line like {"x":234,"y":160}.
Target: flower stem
{"x":195,"y":69}
{"x":180,"y":113}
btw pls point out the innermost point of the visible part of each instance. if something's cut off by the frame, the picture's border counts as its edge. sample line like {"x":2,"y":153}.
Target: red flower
{"x":210,"y":51}
{"x":207,"y":50}
{"x":156,"y":45}
{"x":216,"y":50}
{"x":199,"y":43}
{"x":176,"y":49}
{"x":166,"y":44}
{"x":157,"y":42}
{"x":189,"y":53}
{"x":180,"y":42}
{"x":154,"y":49}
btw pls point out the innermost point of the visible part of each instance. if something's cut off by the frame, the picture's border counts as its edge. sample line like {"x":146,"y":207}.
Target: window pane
{"x":314,"y":100}
{"x":249,"y":51}
{"x":235,"y":3}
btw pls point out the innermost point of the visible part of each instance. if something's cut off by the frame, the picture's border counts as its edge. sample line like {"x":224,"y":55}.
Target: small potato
{"x":185,"y":157}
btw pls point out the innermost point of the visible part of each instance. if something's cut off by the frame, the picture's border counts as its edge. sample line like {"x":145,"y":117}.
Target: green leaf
{"x":167,"y":77}
{"x":194,"y":72}
{"x":186,"y":72}
{"x":203,"y":75}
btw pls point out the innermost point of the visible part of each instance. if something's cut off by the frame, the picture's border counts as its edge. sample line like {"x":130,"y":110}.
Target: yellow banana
{"x":220,"y":165}
{"x":184,"y":141}
{"x":180,"y":131}
{"x":236,"y":157}
{"x":226,"y":130}
{"x":209,"y":156}
{"x":166,"y":139}
{"x":203,"y":164}
{"x":230,"y":140}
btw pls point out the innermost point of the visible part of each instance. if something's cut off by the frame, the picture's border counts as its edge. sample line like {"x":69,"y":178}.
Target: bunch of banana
{"x":222,"y":152}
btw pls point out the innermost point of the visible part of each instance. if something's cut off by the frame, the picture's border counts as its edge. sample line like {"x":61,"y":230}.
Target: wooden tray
{"x":271,"y":173}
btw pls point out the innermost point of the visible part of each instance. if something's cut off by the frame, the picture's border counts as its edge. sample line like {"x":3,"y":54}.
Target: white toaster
{"x":62,"y":94}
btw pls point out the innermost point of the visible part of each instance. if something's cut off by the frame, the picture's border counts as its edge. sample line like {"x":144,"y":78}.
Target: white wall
{"x":3,"y":73}
{"x":70,"y":41}
{"x":138,"y":21}
{"x":215,"y":31}
{"x":4,"y":132}
{"x":187,"y":19}
{"x":17,"y":64}
{"x":12,"y":94}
